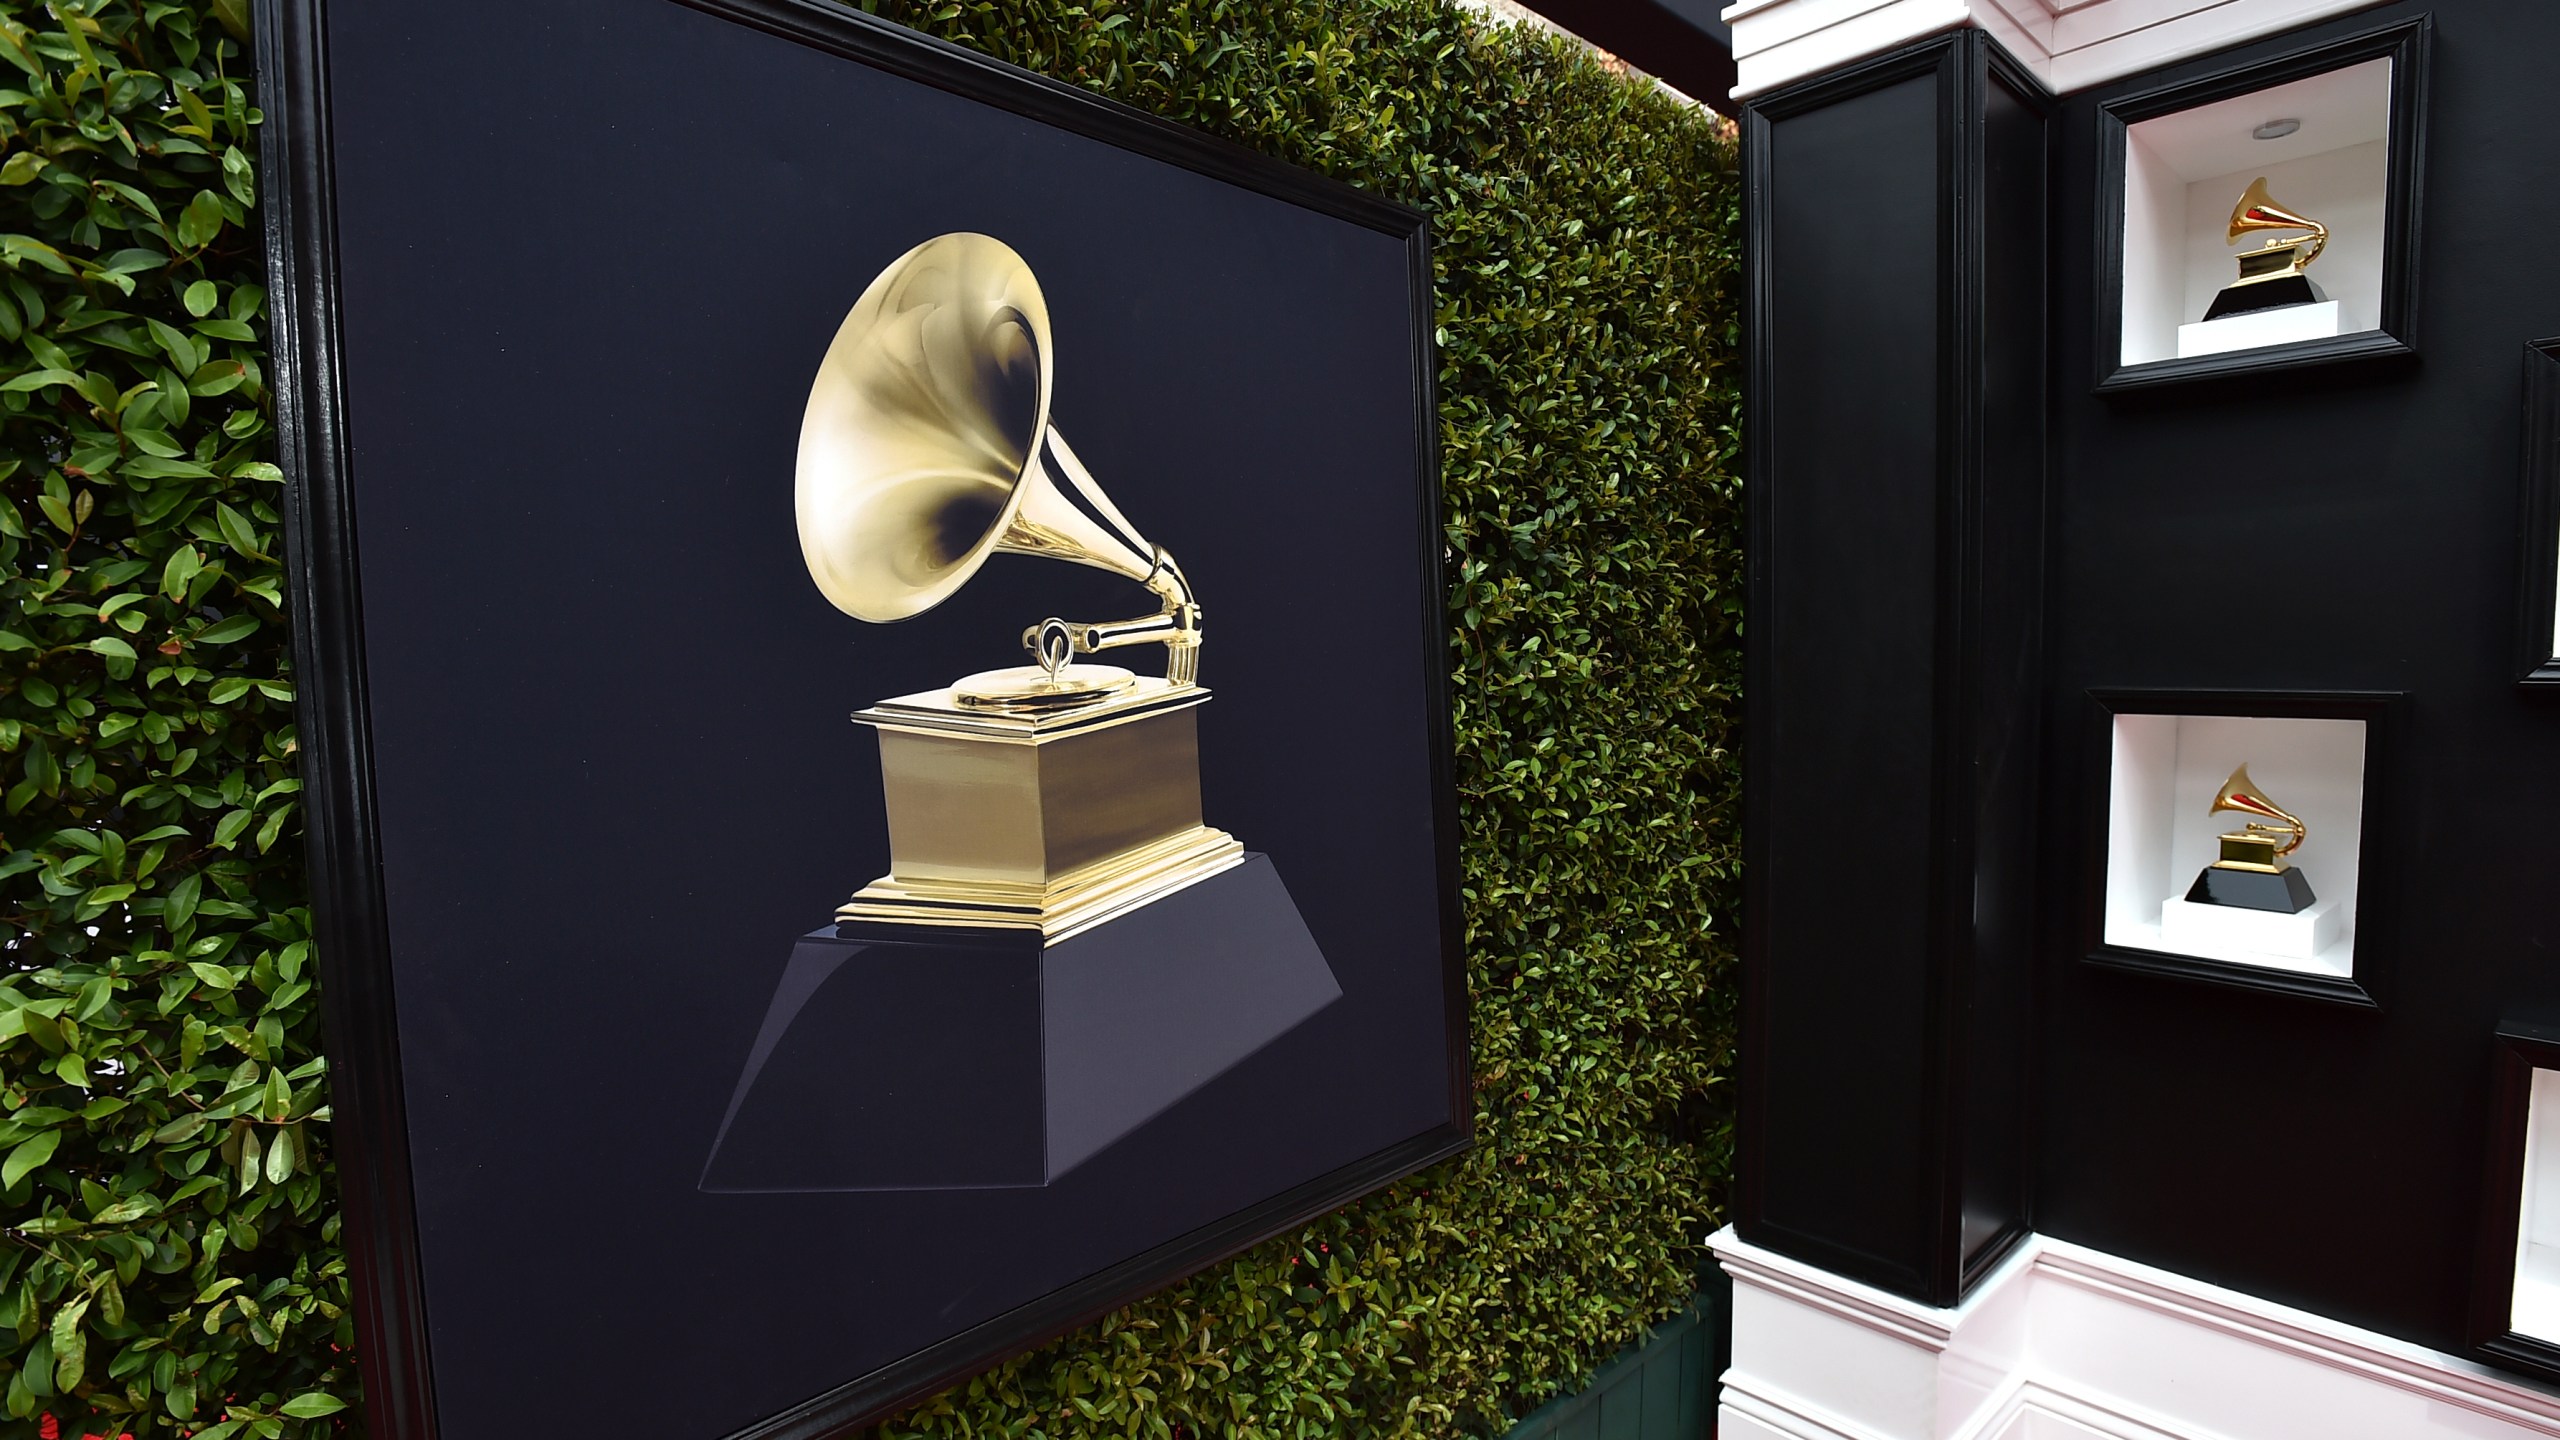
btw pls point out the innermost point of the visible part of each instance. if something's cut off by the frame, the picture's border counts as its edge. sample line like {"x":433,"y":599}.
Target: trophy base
{"x":2284,"y":891}
{"x":2274,"y":292}
{"x":1072,"y":901}
{"x":905,"y":1058}
{"x":1049,"y":819}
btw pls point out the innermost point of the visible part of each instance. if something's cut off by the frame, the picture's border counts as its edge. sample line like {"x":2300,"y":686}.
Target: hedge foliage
{"x":168,"y":1244}
{"x":170,"y":1261}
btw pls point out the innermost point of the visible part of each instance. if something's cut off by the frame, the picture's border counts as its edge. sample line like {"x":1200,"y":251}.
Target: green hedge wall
{"x":168,"y":1245}
{"x":170,"y":1259}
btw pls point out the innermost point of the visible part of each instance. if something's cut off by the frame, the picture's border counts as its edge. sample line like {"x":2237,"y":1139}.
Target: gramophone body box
{"x":780,"y":808}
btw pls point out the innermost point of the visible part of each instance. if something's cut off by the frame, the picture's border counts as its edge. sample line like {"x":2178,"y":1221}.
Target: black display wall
{"x":1933,"y":1060}
{"x":2332,"y":529}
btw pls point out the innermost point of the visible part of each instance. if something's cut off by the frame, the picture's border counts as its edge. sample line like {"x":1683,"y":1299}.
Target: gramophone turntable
{"x":1062,"y":949}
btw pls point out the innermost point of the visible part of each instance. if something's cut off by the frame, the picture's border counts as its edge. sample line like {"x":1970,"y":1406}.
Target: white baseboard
{"x":2068,"y":1343}
{"x":2066,"y":44}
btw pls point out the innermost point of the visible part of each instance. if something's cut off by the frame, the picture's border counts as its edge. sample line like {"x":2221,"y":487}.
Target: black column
{"x":1896,"y":442}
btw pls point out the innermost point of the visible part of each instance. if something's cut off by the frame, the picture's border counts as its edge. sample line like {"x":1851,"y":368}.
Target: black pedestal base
{"x":2264,"y":295}
{"x":904,"y":1058}
{"x":2285,"y":892}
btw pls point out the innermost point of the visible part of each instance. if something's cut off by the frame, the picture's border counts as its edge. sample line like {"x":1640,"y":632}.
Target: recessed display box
{"x":2329,"y":133}
{"x":2538,"y":593}
{"x":2515,"y":1288}
{"x":2202,"y":872}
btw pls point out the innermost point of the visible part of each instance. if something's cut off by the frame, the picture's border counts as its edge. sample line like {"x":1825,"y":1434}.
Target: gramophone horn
{"x":2242,"y":794}
{"x":2258,"y":210}
{"x":926,"y":444}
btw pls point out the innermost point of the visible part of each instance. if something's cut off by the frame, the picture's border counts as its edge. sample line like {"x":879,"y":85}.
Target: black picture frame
{"x":2517,"y":1049}
{"x":2384,"y":716}
{"x":2405,"y":43}
{"x":2538,"y":562}
{"x":346,"y":857}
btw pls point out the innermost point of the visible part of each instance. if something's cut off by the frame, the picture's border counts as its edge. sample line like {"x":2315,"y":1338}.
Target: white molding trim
{"x":2067,"y":44}
{"x":2063,"y":1342}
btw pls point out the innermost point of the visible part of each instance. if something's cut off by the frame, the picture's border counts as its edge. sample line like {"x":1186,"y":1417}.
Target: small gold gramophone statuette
{"x":1049,"y":796}
{"x":2252,"y":873}
{"x":2271,"y":274}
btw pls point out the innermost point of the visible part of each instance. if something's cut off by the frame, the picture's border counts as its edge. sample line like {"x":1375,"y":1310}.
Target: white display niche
{"x":2162,"y":831}
{"x":2535,"y":1309}
{"x":2185,"y":170}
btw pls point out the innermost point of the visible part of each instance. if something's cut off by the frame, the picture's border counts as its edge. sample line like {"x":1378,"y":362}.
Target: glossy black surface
{"x":2273,"y":294}
{"x":1895,"y":499}
{"x":2285,"y":893}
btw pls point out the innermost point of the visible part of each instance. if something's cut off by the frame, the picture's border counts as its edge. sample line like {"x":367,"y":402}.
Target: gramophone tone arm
{"x":1176,"y":627}
{"x":1054,"y":642}
{"x":2295,"y":830}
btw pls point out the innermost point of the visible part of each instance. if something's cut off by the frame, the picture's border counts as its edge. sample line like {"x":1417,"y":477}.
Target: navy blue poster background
{"x":589,"y":267}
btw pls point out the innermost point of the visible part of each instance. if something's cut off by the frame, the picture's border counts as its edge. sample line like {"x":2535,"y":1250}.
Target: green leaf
{"x":22,"y":167}
{"x":154,"y":442}
{"x":182,"y":900}
{"x":312,"y":1404}
{"x":26,"y":1156}
{"x":223,"y":632}
{"x":111,"y":646}
{"x":125,"y":1212}
{"x":38,"y":379}
{"x":153,"y":467}
{"x":70,"y":1345}
{"x":201,"y":221}
{"x":183,"y":563}
{"x":215,"y":977}
{"x":201,"y":298}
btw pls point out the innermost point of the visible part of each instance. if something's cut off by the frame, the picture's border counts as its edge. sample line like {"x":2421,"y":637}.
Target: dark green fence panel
{"x":1662,"y":1388}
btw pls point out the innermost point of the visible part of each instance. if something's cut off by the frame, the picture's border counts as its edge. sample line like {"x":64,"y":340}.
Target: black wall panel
{"x":1849,"y":679}
{"x":2337,"y":529}
{"x":1998,"y":898}
{"x":1895,"y":538}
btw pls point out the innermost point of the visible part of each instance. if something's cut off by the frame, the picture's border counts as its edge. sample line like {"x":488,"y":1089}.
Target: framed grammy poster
{"x":872,"y":669}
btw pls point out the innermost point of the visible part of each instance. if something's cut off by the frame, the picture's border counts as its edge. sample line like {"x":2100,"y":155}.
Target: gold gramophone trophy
{"x":1048,"y":796}
{"x":2270,"y":275}
{"x":2251,"y":872}
{"x":1061,"y":951}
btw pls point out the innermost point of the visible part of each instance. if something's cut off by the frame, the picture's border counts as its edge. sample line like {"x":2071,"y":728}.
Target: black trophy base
{"x":2284,"y":892}
{"x":2260,"y":295}
{"x":916,"y":1058}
